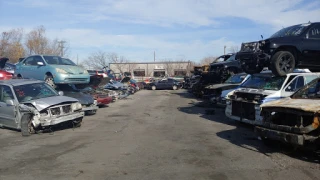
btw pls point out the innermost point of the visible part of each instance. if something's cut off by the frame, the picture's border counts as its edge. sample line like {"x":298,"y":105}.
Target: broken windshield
{"x":34,"y":91}
{"x":310,"y":91}
{"x":295,"y":30}
{"x":265,"y":82}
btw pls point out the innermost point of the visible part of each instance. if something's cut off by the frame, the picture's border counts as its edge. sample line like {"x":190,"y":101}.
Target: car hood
{"x":43,"y":103}
{"x":221,"y":63}
{"x":3,"y":62}
{"x":81,"y":97}
{"x":222,"y":86}
{"x":98,"y":81}
{"x":70,"y":69}
{"x":308,"y":105}
{"x":255,"y":91}
{"x":125,"y":80}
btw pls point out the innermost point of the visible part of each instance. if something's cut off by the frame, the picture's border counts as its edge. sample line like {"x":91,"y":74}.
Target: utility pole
{"x":61,"y":46}
{"x":224,"y":49}
{"x":77,"y":60}
{"x":154,"y":56}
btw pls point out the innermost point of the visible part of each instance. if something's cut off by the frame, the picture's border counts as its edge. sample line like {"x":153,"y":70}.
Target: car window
{"x":29,"y":61}
{"x":296,"y":84}
{"x":314,"y":32}
{"x":170,"y":80}
{"x":5,"y":93}
{"x":310,"y":78}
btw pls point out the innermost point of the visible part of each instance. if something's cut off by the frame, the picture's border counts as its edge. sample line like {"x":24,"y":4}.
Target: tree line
{"x":15,"y":44}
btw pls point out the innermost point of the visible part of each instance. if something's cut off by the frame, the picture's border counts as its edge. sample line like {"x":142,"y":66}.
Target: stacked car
{"x":42,"y":91}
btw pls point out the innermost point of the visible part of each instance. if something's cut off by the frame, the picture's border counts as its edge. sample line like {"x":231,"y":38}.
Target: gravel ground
{"x":152,"y":135}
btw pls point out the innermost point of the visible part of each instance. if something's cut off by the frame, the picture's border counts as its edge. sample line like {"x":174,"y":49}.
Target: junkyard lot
{"x":151,"y":135}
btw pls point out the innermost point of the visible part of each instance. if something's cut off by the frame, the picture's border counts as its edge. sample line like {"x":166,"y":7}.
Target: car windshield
{"x":295,"y":30}
{"x":264,"y":82}
{"x":33,"y":91}
{"x":310,"y":91}
{"x":57,"y":60}
{"x":231,"y":58}
{"x":238,"y":78}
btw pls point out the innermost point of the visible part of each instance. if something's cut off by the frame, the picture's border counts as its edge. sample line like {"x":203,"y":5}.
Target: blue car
{"x":52,"y":69}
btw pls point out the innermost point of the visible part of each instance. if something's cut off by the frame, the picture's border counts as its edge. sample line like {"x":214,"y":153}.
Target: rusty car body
{"x":32,"y":105}
{"x":294,"y":120}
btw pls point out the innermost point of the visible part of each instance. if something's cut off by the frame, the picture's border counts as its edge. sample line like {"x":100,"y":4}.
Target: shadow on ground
{"x":243,"y":134}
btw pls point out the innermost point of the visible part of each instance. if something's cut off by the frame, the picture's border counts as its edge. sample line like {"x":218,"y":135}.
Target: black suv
{"x":293,"y":47}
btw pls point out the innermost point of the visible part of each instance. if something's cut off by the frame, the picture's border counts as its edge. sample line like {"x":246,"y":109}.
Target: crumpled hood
{"x":43,"y":103}
{"x":255,"y":91}
{"x":223,"y":86}
{"x":308,"y":105}
{"x":81,"y":97}
{"x":3,"y":62}
{"x":70,"y":69}
{"x":97,"y":80}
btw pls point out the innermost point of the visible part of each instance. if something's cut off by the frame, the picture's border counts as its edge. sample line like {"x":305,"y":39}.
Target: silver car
{"x":32,"y":105}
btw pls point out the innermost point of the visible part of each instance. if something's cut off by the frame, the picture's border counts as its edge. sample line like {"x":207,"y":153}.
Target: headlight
{"x":62,"y":71}
{"x":76,"y":106}
{"x":95,"y":102}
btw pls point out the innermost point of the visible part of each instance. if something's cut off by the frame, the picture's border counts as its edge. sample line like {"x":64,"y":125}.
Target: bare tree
{"x":168,"y":66}
{"x":234,"y":49}
{"x":119,"y":62}
{"x":97,"y":60}
{"x":131,"y":67}
{"x":10,"y":44}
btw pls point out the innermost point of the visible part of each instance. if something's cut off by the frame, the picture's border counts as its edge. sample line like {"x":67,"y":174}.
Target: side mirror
{"x":40,"y":63}
{"x":60,"y":93}
{"x":10,"y":102}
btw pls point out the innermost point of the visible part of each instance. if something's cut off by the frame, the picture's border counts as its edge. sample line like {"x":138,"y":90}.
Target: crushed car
{"x":32,"y":105}
{"x":295,"y":119}
{"x":292,"y":47}
{"x":5,"y":74}
{"x":243,"y":104}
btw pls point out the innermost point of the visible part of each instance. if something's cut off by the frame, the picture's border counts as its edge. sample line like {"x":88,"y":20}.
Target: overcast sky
{"x":175,"y":29}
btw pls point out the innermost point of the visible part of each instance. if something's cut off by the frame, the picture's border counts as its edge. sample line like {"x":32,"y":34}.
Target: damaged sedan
{"x":294,"y":120}
{"x":32,"y":105}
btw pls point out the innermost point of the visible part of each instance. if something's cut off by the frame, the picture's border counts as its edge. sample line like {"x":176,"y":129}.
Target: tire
{"x":174,"y":87}
{"x":76,"y":123}
{"x":50,"y":81}
{"x":19,"y":76}
{"x":282,"y":63}
{"x":26,"y":125}
{"x":247,"y":68}
{"x":153,"y":87}
{"x":91,"y":112}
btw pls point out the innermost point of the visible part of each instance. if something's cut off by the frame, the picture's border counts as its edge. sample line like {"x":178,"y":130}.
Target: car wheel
{"x":282,"y":63}
{"x":153,"y":87}
{"x":91,"y":112}
{"x":27,"y":127}
{"x":19,"y":76}
{"x":50,"y":81}
{"x":175,"y":87}
{"x":251,"y":69}
{"x":77,"y":122}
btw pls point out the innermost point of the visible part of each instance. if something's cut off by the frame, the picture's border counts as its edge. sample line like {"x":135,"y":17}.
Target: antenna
{"x":261,"y":37}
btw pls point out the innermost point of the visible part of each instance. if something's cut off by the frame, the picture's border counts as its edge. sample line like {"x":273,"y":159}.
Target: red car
{"x":4,"y":75}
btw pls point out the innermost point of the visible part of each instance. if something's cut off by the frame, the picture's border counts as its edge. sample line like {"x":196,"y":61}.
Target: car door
{"x":311,"y":46}
{"x":7,"y":111}
{"x":169,"y":84}
{"x":25,"y":68}
{"x":39,"y":68}
{"x":161,"y":84}
{"x":297,"y":83}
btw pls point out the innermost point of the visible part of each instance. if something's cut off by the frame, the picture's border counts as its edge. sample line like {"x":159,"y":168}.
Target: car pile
{"x":42,"y":91}
{"x":277,"y":89}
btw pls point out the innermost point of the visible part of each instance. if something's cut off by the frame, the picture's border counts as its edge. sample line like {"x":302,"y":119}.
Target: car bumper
{"x":60,"y":119}
{"x":71,"y":78}
{"x":290,"y":138}
{"x":258,"y":58}
{"x":89,"y":108}
{"x":256,"y":121}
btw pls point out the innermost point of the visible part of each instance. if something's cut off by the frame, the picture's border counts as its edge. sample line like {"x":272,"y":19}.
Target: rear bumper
{"x":280,"y":136}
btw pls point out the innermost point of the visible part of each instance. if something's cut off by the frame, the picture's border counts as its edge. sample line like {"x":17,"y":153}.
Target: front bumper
{"x":280,"y":136}
{"x":54,"y":120}
{"x":256,"y":121}
{"x":91,"y":107}
{"x":258,"y":58}
{"x":71,"y":78}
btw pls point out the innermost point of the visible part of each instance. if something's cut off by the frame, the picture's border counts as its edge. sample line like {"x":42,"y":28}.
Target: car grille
{"x":60,"y":110}
{"x":243,"y":110}
{"x":76,"y":79}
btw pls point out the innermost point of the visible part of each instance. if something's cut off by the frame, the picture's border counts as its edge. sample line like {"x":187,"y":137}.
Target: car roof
{"x":18,"y":82}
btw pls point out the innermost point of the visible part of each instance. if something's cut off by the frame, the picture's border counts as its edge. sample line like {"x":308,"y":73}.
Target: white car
{"x":243,"y":104}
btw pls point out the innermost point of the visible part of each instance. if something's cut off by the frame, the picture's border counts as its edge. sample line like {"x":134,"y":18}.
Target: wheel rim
{"x":174,"y":87}
{"x":286,"y":63}
{"x":50,"y":82}
{"x":153,"y":88}
{"x":31,"y":129}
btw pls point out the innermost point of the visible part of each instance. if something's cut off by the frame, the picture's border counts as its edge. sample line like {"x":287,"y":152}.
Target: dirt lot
{"x":152,"y":135}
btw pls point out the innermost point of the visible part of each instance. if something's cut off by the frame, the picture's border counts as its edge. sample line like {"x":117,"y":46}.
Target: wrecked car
{"x":213,"y":92}
{"x":32,"y":105}
{"x":166,"y":84}
{"x":292,"y":47}
{"x":4,"y":74}
{"x":89,"y":104}
{"x":295,"y":119}
{"x":243,"y":104}
{"x":223,"y":70}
